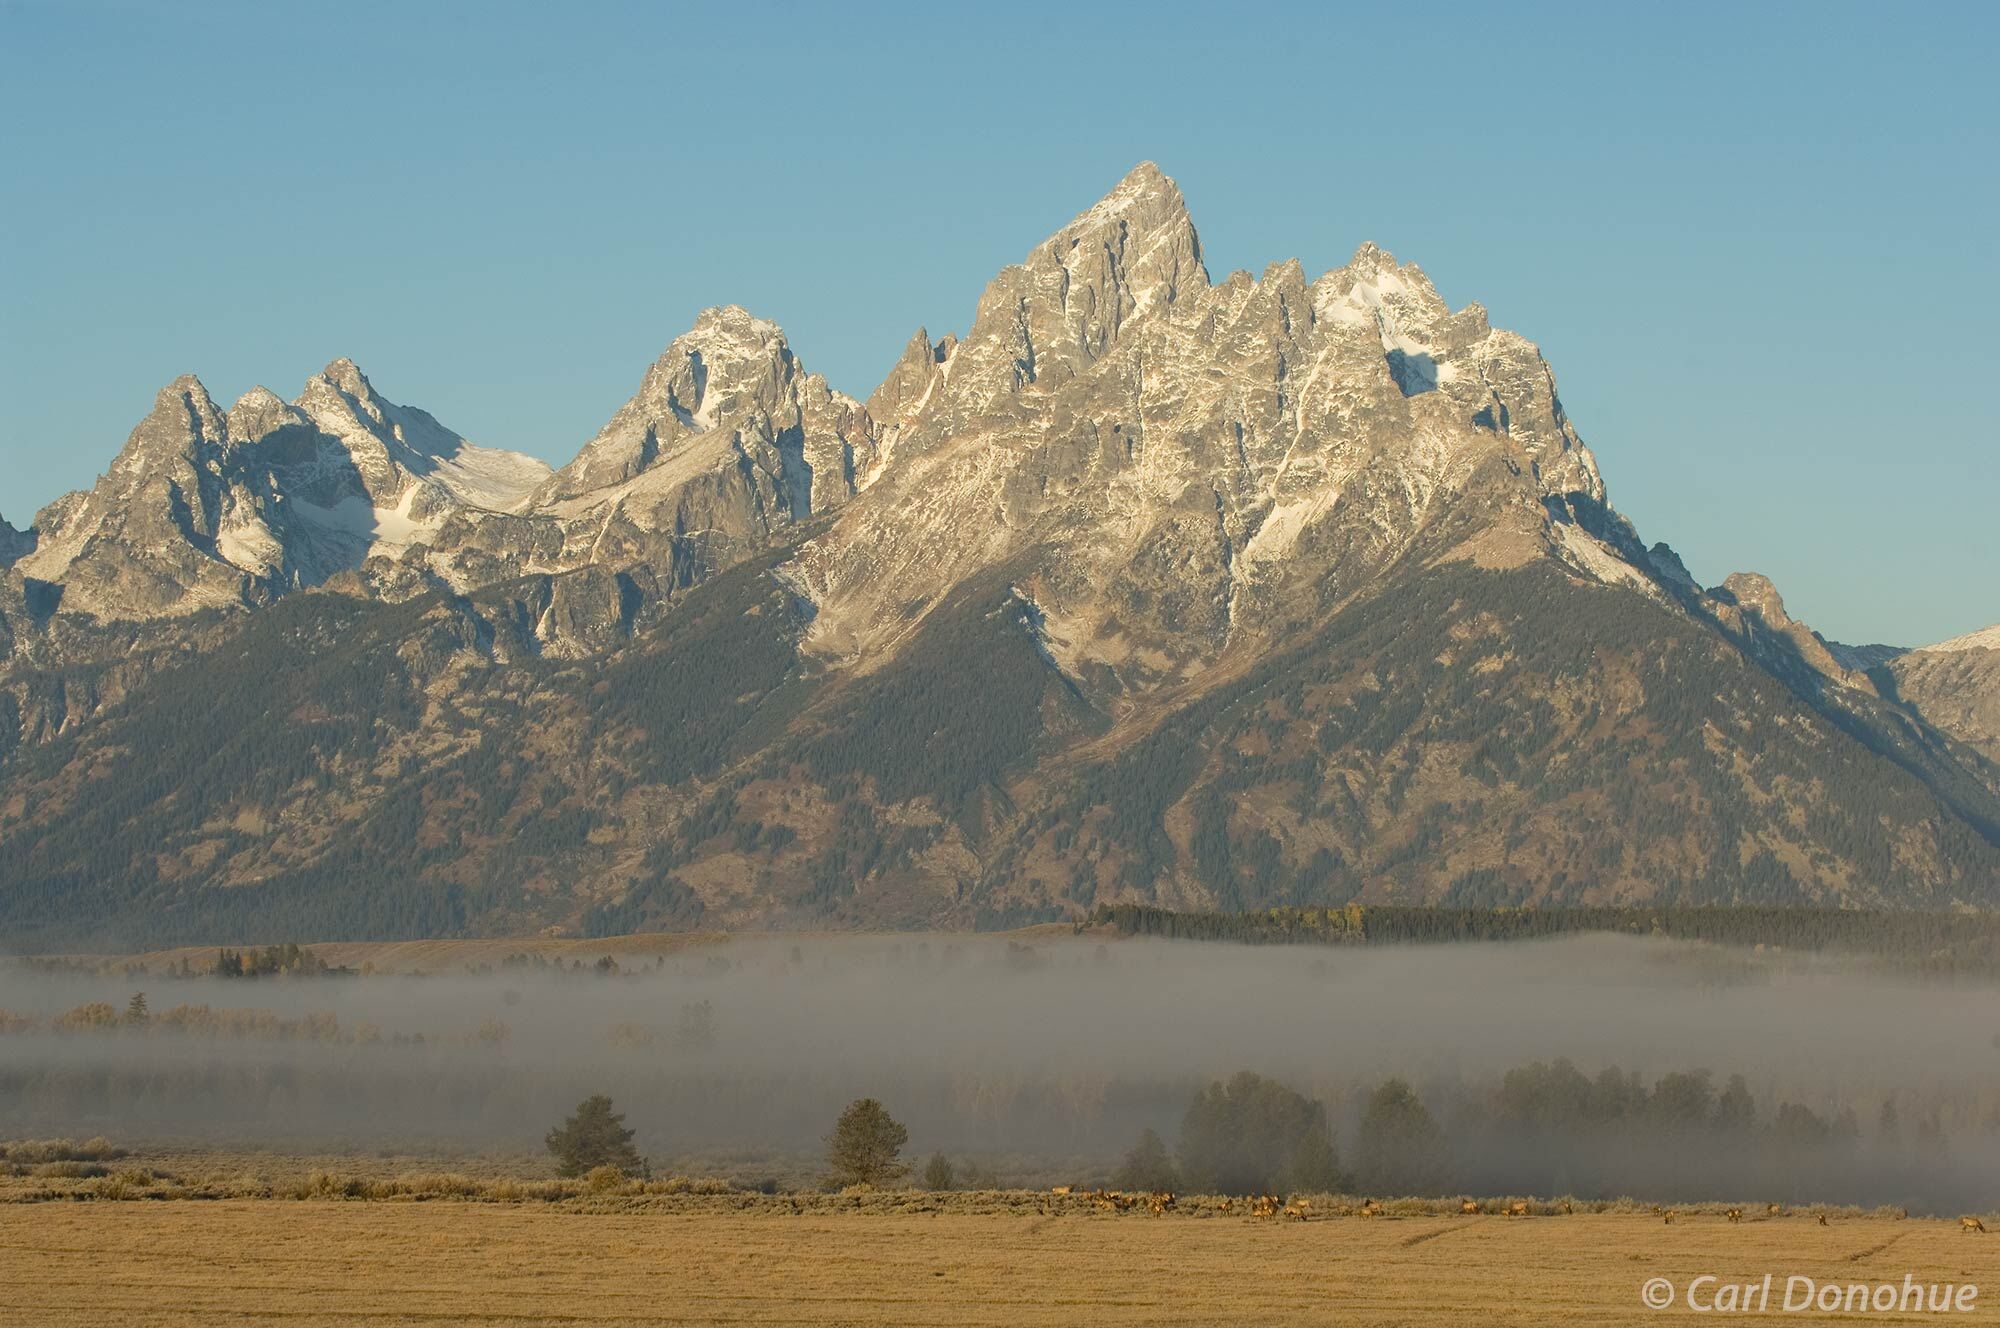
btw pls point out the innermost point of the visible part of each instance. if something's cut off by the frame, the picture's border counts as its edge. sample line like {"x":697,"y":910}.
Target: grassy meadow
{"x":323,"y":1262}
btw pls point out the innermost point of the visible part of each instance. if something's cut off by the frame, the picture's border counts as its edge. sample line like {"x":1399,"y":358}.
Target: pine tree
{"x":865,"y":1146}
{"x":595,"y":1136}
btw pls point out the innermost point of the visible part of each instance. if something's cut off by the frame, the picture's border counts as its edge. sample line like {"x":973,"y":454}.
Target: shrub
{"x":937,"y":1173}
{"x":604,"y":1180}
{"x":432,"y":1185}
{"x":98,"y":1149}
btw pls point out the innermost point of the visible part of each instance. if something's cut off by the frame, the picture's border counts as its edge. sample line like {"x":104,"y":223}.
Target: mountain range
{"x":1149,"y":588}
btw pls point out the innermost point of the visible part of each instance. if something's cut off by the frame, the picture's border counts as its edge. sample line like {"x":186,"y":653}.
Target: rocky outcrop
{"x":14,"y":544}
{"x":1749,"y":607}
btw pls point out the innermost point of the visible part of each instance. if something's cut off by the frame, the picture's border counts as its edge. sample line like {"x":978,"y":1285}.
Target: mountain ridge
{"x":1147,"y":589}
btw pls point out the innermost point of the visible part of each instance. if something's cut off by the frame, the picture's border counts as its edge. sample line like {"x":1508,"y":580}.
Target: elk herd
{"x":1275,"y":1207}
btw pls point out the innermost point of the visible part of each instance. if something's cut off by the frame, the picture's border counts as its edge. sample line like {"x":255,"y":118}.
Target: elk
{"x":1469,"y":1208}
{"x":1822,"y":1218}
{"x":1775,"y":1210}
{"x":1160,"y":1201}
{"x":1228,"y":1205}
{"x":1264,"y":1205}
{"x":1734,"y":1215}
{"x":1971,"y":1224}
{"x":1667,"y":1216}
{"x":1566,"y":1208}
{"x":1519,"y":1208}
{"x":1060,"y":1190}
{"x":1369,"y":1208}
{"x":1298,"y":1210}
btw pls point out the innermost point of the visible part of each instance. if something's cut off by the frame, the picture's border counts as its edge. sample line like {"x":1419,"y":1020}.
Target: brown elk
{"x":1734,"y":1215}
{"x":1469,"y":1207}
{"x":1264,"y":1205}
{"x":1775,"y":1210}
{"x":1519,"y":1208}
{"x":1822,"y":1218}
{"x":1060,"y":1190}
{"x":1160,"y":1201}
{"x":1971,"y":1224}
{"x":1228,"y":1205}
{"x":1369,"y":1208}
{"x":1566,"y":1208}
{"x":1667,"y":1216}
{"x":1298,"y":1210}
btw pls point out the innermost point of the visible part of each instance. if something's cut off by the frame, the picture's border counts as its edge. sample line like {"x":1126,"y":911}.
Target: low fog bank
{"x":1055,"y":1052}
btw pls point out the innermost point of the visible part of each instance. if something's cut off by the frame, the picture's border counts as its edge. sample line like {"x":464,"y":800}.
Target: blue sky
{"x":1756,"y":242}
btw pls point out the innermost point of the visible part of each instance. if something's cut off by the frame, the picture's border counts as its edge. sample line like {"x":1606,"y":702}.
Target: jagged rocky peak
{"x":184,"y":422}
{"x":142,"y":541}
{"x":391,"y":449}
{"x":1048,"y":318}
{"x":1171,"y":454}
{"x":203,"y":509}
{"x":342,"y":385}
{"x":908,"y":381}
{"x":728,"y":386}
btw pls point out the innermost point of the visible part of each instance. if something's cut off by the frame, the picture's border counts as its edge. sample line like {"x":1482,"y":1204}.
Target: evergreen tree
{"x":595,"y":1136}
{"x":866,"y":1146}
{"x":938,"y":1173}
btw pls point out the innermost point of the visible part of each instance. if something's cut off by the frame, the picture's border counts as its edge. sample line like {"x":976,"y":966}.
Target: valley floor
{"x":327,"y":1263}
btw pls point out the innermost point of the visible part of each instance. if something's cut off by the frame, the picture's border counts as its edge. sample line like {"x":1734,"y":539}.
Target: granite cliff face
{"x":1152,"y":587}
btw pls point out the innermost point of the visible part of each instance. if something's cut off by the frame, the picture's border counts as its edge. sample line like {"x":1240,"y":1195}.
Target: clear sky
{"x":1756,"y":242}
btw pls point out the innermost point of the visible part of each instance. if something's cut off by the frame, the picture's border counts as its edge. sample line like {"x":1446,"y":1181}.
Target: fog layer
{"x":1047,"y":1058}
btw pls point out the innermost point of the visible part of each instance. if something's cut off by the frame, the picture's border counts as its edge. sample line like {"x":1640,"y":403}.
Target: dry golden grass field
{"x":338,"y":1263}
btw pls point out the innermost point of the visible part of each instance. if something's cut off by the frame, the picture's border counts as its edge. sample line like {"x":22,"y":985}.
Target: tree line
{"x":1936,"y":944}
